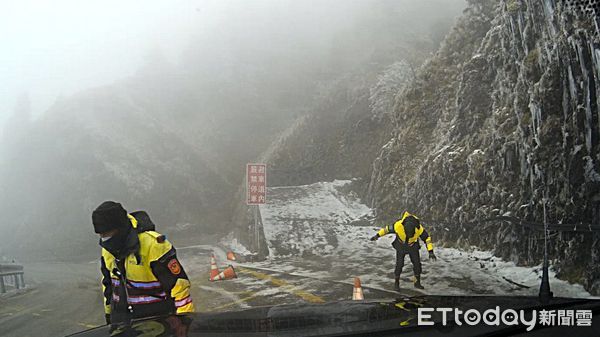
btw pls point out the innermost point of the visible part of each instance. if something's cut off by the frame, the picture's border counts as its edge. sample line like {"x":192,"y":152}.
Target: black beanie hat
{"x":108,"y":216}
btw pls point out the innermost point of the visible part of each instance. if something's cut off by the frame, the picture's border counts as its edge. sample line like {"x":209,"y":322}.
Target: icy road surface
{"x":318,"y":237}
{"x":322,"y":231}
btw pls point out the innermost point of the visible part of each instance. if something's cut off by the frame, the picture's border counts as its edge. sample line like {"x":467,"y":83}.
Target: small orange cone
{"x":230,"y":256}
{"x":226,"y":274}
{"x":357,"y":293}
{"x":214,"y":271}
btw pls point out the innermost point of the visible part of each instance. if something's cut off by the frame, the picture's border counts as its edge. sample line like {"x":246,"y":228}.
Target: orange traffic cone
{"x":357,"y":293}
{"x":230,"y":256}
{"x":226,"y":274}
{"x":214,"y":271}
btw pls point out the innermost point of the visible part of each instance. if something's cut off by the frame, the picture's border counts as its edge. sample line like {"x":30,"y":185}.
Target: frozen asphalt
{"x":64,"y":298}
{"x":318,"y":241}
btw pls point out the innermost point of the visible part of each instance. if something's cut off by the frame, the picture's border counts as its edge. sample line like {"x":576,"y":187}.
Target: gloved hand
{"x":432,"y":256}
{"x":375,"y":237}
{"x":107,"y":317}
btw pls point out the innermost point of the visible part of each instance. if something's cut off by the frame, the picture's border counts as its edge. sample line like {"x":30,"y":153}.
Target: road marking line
{"x":405,"y":323}
{"x":220,"y":291}
{"x":240,"y":301}
{"x":285,"y":286}
{"x":408,"y":292}
{"x":90,"y":326}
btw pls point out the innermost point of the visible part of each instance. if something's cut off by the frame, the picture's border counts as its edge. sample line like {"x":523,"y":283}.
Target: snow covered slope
{"x":310,"y":219}
{"x":322,"y":230}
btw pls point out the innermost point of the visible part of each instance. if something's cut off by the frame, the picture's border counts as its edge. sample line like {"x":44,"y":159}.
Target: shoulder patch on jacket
{"x":174,"y":267}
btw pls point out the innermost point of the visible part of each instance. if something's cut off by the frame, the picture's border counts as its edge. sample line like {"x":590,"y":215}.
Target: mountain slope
{"x":501,"y":118}
{"x":505,"y":114}
{"x":96,"y":146}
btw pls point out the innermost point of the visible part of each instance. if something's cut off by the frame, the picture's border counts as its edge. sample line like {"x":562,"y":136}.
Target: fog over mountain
{"x":170,"y":130}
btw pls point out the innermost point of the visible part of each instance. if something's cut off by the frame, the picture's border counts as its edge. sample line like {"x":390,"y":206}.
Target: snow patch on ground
{"x":323,"y":201}
{"x":233,"y":244}
{"x":322,"y":231}
{"x":299,"y":220}
{"x":480,"y":272}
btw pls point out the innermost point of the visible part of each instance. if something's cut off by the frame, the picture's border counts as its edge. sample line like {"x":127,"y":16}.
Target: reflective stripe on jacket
{"x":156,"y":282}
{"x":398,"y":229}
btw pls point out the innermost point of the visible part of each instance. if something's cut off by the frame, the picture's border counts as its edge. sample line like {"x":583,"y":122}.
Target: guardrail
{"x":11,"y":275}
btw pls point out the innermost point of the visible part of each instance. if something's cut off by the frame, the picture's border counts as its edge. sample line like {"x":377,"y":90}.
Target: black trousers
{"x":413,"y":253}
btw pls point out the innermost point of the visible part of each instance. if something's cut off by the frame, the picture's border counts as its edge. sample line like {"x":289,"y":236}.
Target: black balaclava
{"x":410,"y":225}
{"x":121,"y":244}
{"x":111,"y":215}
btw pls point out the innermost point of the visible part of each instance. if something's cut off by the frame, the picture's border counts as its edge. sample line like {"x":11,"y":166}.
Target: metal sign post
{"x":545,"y":293}
{"x":256,"y":231}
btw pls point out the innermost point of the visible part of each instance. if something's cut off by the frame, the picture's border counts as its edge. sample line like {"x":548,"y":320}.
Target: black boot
{"x":418,"y":282}
{"x":397,"y":284}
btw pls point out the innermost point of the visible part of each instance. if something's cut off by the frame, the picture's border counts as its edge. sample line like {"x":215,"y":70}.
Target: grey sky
{"x":59,"y":47}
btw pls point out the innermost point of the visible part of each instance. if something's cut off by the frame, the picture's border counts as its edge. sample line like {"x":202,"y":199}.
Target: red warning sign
{"x":256,"y":184}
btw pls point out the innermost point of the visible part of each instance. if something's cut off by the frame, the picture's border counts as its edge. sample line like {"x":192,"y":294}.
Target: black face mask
{"x":410,"y":226}
{"x":121,"y":244}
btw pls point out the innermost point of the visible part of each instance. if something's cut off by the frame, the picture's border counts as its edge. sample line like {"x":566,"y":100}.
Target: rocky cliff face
{"x":324,"y":144}
{"x":505,"y":114}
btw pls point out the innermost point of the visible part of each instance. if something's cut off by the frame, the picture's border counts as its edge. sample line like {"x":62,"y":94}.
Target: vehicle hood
{"x":360,"y":318}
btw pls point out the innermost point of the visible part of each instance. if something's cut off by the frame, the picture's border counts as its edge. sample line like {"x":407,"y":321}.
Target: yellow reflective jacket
{"x":398,"y":229}
{"x":156,"y":283}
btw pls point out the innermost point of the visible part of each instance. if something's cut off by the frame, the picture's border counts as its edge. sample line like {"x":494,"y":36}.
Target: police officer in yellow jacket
{"x":408,"y":230}
{"x":141,"y":273}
